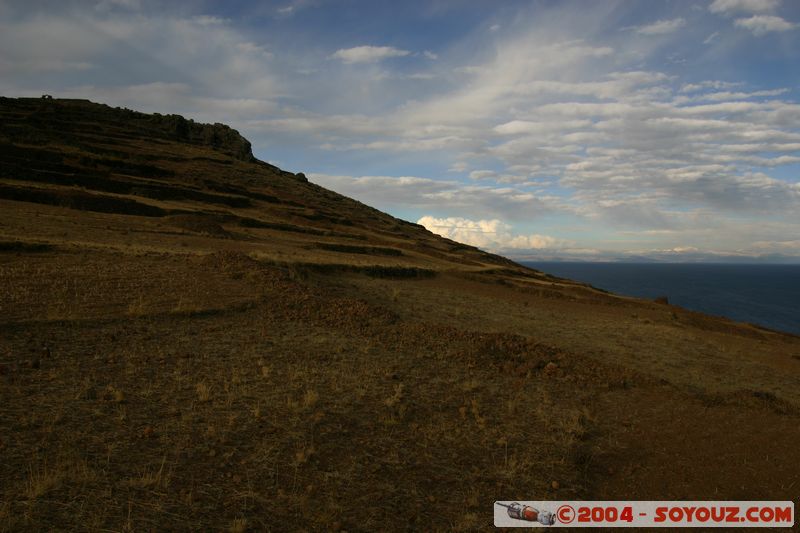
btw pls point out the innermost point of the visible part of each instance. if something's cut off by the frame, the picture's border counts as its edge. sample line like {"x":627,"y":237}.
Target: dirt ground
{"x":220,"y":392}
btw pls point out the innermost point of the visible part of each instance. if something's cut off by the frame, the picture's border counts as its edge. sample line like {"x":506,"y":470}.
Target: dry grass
{"x":203,"y":392}
{"x":155,"y":479}
{"x":43,"y":478}
{"x":315,"y":396}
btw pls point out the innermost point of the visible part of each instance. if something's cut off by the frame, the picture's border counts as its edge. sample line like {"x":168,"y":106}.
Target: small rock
{"x":148,"y":432}
{"x":550,"y":368}
{"x":555,"y":485}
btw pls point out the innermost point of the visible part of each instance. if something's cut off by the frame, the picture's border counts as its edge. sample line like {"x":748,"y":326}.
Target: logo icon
{"x":527,"y":513}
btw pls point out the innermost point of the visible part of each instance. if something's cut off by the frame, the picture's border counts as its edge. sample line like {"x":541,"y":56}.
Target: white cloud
{"x":711,"y":84}
{"x":746,"y":6}
{"x":504,"y":81}
{"x":411,"y":192}
{"x":661,"y":27}
{"x":293,"y":7}
{"x":711,"y":38}
{"x":728,"y":96}
{"x":368,"y":54}
{"x":763,"y":24}
{"x":209,"y":20}
{"x":492,"y":235}
{"x":481,"y":174}
{"x":517,"y":127}
{"x":787,"y":246}
{"x":430,"y":55}
{"x":48,"y":44}
{"x":498,"y":177}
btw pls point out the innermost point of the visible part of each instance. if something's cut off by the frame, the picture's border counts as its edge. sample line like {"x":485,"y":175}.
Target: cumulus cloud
{"x":746,"y":6}
{"x":368,"y":54}
{"x":492,"y":235}
{"x":763,"y":24}
{"x":661,"y":27}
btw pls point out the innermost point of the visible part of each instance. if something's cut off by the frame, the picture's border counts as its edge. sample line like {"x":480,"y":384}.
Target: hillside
{"x":192,"y":339}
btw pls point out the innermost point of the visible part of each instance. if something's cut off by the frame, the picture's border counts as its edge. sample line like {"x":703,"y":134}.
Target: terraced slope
{"x":194,"y":179}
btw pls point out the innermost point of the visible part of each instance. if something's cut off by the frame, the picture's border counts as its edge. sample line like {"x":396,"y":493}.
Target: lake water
{"x":767,"y":295}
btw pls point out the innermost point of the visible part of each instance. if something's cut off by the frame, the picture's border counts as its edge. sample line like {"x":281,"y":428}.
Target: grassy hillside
{"x":191,"y":339}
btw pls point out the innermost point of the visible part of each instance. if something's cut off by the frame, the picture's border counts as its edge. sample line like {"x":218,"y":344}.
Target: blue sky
{"x":585,"y":130}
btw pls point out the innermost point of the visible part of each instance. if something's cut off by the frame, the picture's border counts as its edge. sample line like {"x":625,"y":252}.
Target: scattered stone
{"x":550,"y":368}
{"x":148,"y":432}
{"x":554,"y":485}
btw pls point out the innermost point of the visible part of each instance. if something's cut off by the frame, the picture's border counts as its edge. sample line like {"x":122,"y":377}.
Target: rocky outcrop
{"x":218,"y":136}
{"x":36,"y":119}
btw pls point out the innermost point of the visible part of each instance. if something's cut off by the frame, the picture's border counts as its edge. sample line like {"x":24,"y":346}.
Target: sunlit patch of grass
{"x":239,"y":525}
{"x":152,"y":479}
{"x":45,"y":477}
{"x":203,"y":392}
{"x":303,"y":454}
{"x":310,"y":399}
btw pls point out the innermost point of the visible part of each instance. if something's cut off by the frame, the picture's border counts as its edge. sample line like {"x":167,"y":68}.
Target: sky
{"x":587,"y":130}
